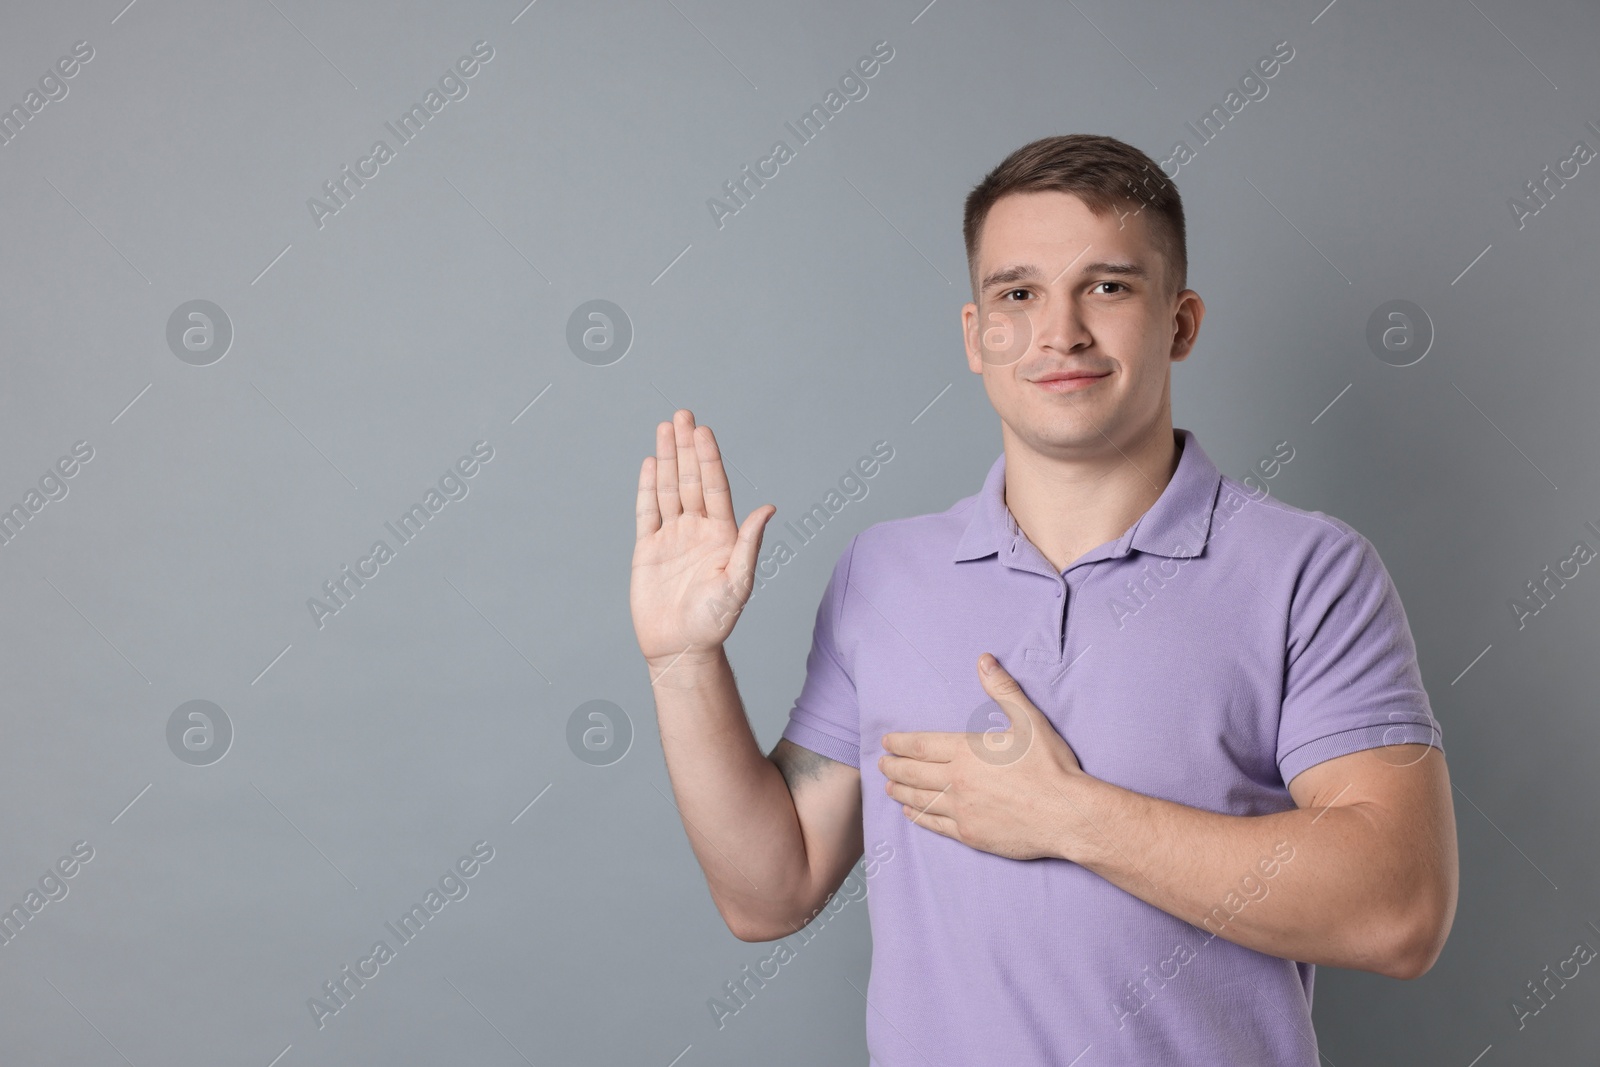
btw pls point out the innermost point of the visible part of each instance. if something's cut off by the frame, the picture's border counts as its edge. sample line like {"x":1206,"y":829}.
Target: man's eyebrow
{"x":1126,"y":268}
{"x":1028,"y":272}
{"x":1006,"y":275}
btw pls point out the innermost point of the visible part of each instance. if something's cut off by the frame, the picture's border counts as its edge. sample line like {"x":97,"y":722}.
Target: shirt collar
{"x":1178,"y":524}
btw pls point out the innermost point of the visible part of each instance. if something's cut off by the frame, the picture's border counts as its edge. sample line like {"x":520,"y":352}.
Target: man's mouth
{"x":1069,"y":381}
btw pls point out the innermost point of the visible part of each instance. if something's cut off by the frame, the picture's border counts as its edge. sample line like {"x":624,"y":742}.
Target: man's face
{"x":1062,"y":290}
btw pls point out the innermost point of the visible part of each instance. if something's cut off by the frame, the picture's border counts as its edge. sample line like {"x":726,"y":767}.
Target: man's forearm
{"x":1333,"y":900}
{"x":734,"y":802}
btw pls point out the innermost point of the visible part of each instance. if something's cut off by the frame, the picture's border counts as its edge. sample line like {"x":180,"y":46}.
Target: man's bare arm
{"x":827,"y":801}
{"x":774,"y":835}
{"x":1362,"y":875}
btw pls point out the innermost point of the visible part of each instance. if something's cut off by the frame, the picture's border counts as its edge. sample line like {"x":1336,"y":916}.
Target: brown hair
{"x":1103,"y":172}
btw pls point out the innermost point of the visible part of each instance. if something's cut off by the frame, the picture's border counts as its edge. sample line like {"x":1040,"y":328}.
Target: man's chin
{"x":1069,"y":438}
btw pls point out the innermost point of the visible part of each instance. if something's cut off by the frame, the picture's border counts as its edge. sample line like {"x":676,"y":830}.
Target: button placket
{"x":1061,"y":622}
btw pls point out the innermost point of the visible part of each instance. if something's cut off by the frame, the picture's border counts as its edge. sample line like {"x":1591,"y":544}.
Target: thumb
{"x":748,"y":547}
{"x":1006,"y":692}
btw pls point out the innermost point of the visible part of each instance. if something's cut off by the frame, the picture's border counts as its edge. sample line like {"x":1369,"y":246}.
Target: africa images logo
{"x":339,"y":990}
{"x":452,"y":485}
{"x":811,"y":124}
{"x":452,"y":86}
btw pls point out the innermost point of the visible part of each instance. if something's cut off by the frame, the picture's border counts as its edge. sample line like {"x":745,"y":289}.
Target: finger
{"x":667,"y":473}
{"x":913,"y":773}
{"x":688,"y":463}
{"x":939,"y":824}
{"x":713,"y":479}
{"x":930,"y":801}
{"x":920,"y":744}
{"x":1005,"y":690}
{"x":647,"y":513}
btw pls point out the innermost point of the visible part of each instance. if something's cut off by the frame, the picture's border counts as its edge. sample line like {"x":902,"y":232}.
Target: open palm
{"x":693,"y":567}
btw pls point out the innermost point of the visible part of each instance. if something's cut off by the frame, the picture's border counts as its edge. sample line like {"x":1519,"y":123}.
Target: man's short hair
{"x":1103,"y":172}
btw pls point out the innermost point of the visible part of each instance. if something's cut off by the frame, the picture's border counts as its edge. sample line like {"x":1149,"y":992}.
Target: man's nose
{"x":1058,"y":323}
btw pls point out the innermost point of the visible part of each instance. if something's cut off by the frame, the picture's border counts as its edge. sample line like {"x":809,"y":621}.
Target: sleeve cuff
{"x":1364,"y":737}
{"x":847,"y":752}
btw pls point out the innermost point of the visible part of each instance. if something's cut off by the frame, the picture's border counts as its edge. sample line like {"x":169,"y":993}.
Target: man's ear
{"x":969,"y":336}
{"x":1190,"y":311}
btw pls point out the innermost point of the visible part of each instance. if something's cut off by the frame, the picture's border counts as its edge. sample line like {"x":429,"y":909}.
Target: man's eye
{"x":1009,"y":292}
{"x":1117,"y":284}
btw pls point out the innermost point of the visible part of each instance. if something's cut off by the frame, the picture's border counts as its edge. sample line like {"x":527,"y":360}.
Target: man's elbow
{"x":757,"y":933}
{"x":1421,"y":941}
{"x":756,"y":929}
{"x":752,"y":934}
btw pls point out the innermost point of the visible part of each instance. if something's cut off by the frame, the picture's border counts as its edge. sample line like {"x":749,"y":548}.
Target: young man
{"x":1217,"y":766}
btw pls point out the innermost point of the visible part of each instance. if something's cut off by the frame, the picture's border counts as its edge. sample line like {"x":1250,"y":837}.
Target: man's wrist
{"x":1085,"y":819}
{"x":686,"y":670}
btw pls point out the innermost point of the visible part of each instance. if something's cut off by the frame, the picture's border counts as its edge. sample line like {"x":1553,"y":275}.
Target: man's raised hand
{"x":693,"y":568}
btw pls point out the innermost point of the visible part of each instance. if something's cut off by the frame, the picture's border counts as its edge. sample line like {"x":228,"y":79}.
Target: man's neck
{"x":1068,"y":506}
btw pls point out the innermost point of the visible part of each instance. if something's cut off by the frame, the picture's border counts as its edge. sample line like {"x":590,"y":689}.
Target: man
{"x":1217,"y":766}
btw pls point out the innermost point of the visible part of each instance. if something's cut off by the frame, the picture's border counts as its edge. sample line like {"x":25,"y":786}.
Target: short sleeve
{"x":1351,"y":678}
{"x":826,"y":718}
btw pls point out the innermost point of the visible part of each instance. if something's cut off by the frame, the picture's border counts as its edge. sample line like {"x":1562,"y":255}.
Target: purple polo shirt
{"x":1223,"y":644}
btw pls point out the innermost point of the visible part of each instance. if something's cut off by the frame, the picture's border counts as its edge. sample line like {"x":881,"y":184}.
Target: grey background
{"x":431,"y":311}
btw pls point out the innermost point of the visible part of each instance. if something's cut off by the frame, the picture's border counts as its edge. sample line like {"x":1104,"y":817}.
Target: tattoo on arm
{"x":797,"y":763}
